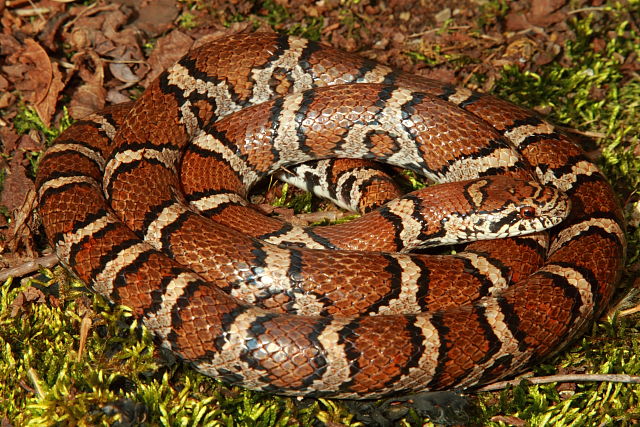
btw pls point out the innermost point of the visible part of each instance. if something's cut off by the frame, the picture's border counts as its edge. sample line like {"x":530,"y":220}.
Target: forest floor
{"x":68,"y":357}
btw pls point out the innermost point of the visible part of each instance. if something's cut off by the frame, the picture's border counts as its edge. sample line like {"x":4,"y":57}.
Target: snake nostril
{"x":527,"y":212}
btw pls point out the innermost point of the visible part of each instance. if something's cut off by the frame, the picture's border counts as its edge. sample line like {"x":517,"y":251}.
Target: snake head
{"x":485,"y":208}
{"x":502,"y":206}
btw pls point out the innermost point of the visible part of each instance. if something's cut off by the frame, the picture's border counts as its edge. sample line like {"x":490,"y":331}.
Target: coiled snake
{"x":307,"y":327}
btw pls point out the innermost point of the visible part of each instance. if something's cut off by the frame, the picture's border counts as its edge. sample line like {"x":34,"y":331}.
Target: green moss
{"x":117,"y":377}
{"x":492,"y":11}
{"x":27,"y":119}
{"x":612,"y":348}
{"x":278,"y":17}
{"x":276,"y":14}
{"x":310,"y":28}
{"x":187,"y":21}
{"x":587,"y":90}
{"x":435,"y":56}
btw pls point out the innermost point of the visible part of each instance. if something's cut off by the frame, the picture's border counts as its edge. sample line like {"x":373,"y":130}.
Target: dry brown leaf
{"x":6,"y":98}
{"x":516,"y":21}
{"x":39,"y":73}
{"x":114,"y":20}
{"x":545,"y":12}
{"x":542,"y":13}
{"x":33,"y":73}
{"x":87,"y":99}
{"x":116,"y":97}
{"x":9,"y":45}
{"x":90,"y":96}
{"x":122,"y":72}
{"x":168,"y":50}
{"x":85,"y":29}
{"x":47,"y":107}
{"x":9,"y":138}
{"x":156,"y":17}
{"x":29,"y":295}
{"x":17,"y":184}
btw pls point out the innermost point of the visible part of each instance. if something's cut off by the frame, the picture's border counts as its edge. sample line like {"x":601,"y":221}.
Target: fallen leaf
{"x":516,"y":21}
{"x":8,"y":45}
{"x":39,"y":60}
{"x":156,"y":17}
{"x":4,"y":84}
{"x":122,"y":72}
{"x":49,"y":35}
{"x":87,"y":99}
{"x":47,"y":107}
{"x":545,"y":12}
{"x":6,"y":99}
{"x":33,"y":73}
{"x":9,"y":138}
{"x":168,"y":50}
{"x":90,"y":96}
{"x":17,"y":184}
{"x":86,"y":29}
{"x":116,"y":97}
{"x":29,"y":295}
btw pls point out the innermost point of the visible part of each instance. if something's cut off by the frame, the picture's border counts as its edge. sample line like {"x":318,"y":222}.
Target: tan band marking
{"x":93,"y":155}
{"x":66,"y":180}
{"x":103,"y":282}
{"x":168,"y":157}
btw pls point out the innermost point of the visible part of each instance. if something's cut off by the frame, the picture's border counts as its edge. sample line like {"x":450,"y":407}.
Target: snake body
{"x":111,"y":205}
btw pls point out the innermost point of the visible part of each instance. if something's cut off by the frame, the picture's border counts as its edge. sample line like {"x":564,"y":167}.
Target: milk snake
{"x":479,"y":315}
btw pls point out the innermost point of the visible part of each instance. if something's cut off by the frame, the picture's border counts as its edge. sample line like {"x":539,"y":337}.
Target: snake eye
{"x":527,"y":212}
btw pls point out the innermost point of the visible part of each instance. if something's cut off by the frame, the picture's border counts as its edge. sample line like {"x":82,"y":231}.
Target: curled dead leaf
{"x":90,"y":96}
{"x":156,"y":17}
{"x":21,"y":302}
{"x":37,"y":77}
{"x":168,"y":50}
{"x":87,"y":99}
{"x":122,"y":72}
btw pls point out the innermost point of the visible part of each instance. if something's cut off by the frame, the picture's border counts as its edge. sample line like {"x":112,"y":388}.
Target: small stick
{"x":85,"y":326}
{"x":35,"y":380}
{"x":614,"y":378}
{"x":29,"y":267}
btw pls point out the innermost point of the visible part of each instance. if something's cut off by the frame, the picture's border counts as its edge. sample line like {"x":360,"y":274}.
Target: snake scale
{"x":110,"y":200}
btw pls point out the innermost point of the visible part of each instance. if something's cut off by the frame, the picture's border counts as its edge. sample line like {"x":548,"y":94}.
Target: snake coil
{"x":111,"y":203}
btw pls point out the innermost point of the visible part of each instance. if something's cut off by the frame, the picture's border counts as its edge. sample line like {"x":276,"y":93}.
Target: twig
{"x":588,"y":9}
{"x":322,"y":216}
{"x":85,"y":326}
{"x":35,"y":380}
{"x":125,"y":61}
{"x":435,"y":30}
{"x":590,"y":134}
{"x":629,"y":311}
{"x":39,"y":10}
{"x":476,"y":68}
{"x":28,"y":267}
{"x":32,"y":11}
{"x":613,"y":378}
{"x":15,"y":3}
